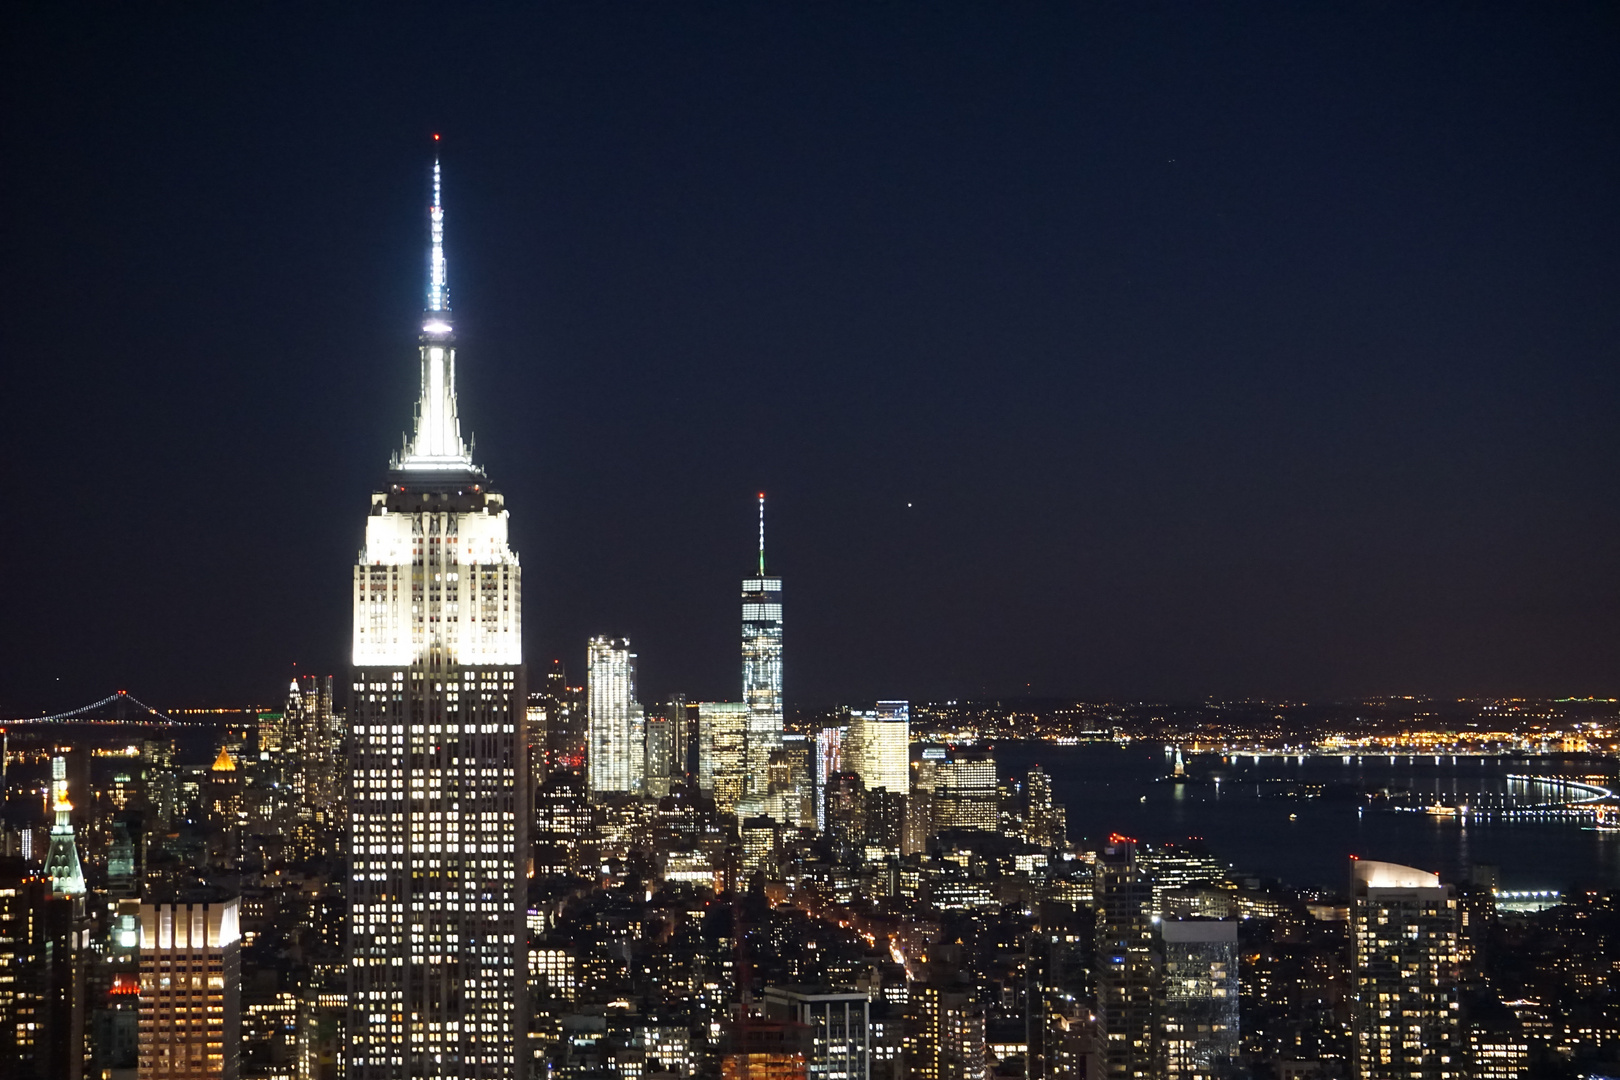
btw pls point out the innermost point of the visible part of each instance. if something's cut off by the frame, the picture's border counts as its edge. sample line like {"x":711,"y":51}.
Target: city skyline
{"x":1286,"y":378}
{"x":1186,"y":647}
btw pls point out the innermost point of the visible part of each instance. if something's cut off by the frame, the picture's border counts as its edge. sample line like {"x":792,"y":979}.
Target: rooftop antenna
{"x":762,"y":534}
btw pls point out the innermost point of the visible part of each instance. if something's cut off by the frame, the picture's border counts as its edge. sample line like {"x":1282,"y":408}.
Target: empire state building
{"x":437,"y":791}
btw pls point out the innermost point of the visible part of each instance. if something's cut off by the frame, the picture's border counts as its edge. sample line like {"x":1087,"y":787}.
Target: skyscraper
{"x":762,"y":665}
{"x":1404,"y":950}
{"x":617,"y":759}
{"x":878,"y":746}
{"x":308,"y":766}
{"x":191,"y":990}
{"x":722,"y":749}
{"x":438,"y":785}
{"x":965,"y":791}
{"x":1199,"y":1014}
{"x":1127,"y":982}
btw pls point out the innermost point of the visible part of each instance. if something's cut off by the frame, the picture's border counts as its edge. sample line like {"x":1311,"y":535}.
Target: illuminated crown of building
{"x":466,"y":607}
{"x":436,"y":445}
{"x":62,"y":861}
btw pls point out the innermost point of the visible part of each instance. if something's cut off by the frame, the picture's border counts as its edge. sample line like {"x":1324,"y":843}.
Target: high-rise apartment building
{"x":438,"y":802}
{"x":617,"y":760}
{"x":1126,"y":969}
{"x":1199,"y":1011}
{"x":945,"y":1030}
{"x":1404,"y":946}
{"x":191,"y":987}
{"x":762,"y":666}
{"x":1045,"y":822}
{"x":878,"y":746}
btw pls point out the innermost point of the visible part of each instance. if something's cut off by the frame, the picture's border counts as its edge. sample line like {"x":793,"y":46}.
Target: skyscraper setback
{"x":438,"y":785}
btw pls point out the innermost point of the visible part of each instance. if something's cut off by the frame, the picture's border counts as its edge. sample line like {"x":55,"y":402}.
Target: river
{"x":1300,"y":821}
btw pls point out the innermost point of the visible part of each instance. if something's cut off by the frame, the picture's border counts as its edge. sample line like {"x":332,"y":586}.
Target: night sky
{"x":1137,"y":351}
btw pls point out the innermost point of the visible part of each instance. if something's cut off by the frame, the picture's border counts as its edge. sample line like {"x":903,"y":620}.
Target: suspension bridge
{"x":115,"y":710}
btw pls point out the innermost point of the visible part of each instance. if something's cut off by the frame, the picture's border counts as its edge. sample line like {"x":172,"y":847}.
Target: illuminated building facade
{"x":966,"y":794}
{"x":617,"y":759}
{"x":840,"y":1027}
{"x":310,"y":748}
{"x":666,"y":741}
{"x":722,"y":752}
{"x":945,"y":1032}
{"x":1404,"y":948}
{"x":438,"y":801}
{"x":766,"y":1050}
{"x":878,"y":746}
{"x":829,"y":758}
{"x":191,"y":985}
{"x":1045,"y":822}
{"x":1199,"y":1016}
{"x":62,"y":860}
{"x":762,"y":666}
{"x":1127,"y":975}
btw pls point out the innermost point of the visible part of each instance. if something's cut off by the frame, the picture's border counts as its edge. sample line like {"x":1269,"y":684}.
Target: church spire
{"x":436,"y":445}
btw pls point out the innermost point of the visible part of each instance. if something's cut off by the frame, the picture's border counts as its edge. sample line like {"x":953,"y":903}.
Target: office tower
{"x":664,"y":737}
{"x":921,"y":803}
{"x":438,"y":788}
{"x":62,"y":860}
{"x":311,"y":750}
{"x":762,"y":665}
{"x":965,"y":791}
{"x":829,"y":760}
{"x":846,"y":816}
{"x":722,"y":752}
{"x":162,"y":784}
{"x":561,"y":736}
{"x":1199,"y":1017}
{"x":616,"y":762}
{"x":1127,"y":982}
{"x":191,"y":986}
{"x":840,"y":1024}
{"x":1404,"y":950}
{"x":225,"y":804}
{"x":761,"y":839}
{"x":565,"y":833}
{"x":683,"y":717}
{"x":61,"y":961}
{"x":878,"y":746}
{"x":798,"y":790}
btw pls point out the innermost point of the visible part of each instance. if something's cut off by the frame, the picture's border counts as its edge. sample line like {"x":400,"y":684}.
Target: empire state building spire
{"x":436,"y":445}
